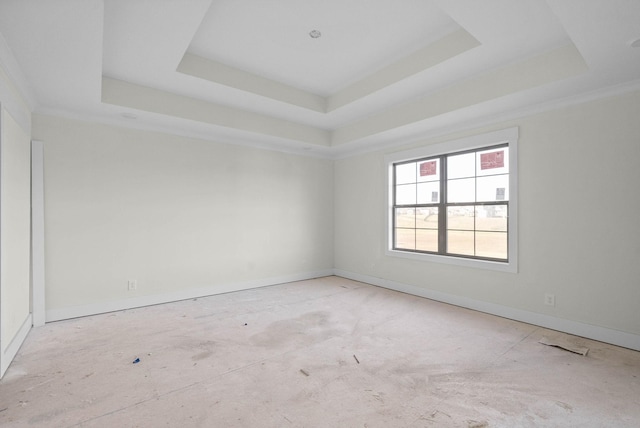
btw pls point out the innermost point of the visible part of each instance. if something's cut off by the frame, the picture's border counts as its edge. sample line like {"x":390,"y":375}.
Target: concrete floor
{"x":322,"y":353}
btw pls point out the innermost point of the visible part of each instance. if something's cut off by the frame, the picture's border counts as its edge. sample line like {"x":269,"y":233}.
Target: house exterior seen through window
{"x":455,"y":203}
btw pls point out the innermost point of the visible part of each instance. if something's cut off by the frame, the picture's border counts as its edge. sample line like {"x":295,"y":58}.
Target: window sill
{"x":510,"y":266}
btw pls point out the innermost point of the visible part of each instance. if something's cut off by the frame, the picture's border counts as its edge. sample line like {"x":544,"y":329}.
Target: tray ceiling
{"x":382,"y":72}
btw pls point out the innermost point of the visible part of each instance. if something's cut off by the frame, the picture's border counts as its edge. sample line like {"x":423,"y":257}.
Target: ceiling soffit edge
{"x":364,"y":146}
{"x":358,"y":147}
{"x":551,"y":66}
{"x":213,"y":71}
{"x":542,"y":69}
{"x":125,"y":94}
{"x":443,"y":49}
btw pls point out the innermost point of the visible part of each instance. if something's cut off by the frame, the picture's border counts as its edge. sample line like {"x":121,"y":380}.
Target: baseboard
{"x":602,"y":334}
{"x":14,"y":346}
{"x":188,"y":293}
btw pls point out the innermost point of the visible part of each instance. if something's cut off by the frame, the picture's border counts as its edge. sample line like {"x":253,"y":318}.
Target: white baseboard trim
{"x":189,"y":293}
{"x":602,"y":334}
{"x":14,"y":346}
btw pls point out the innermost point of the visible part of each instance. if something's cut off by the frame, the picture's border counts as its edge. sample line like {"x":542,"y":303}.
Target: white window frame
{"x":509,"y":136}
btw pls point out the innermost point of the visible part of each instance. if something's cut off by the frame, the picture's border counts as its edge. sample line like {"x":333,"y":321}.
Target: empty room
{"x":287,"y":213}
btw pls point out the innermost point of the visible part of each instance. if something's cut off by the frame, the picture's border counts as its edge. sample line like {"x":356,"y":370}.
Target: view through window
{"x":454,"y":204}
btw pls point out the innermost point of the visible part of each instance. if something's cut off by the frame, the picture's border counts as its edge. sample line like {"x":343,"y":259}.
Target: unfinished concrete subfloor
{"x":328,"y":352}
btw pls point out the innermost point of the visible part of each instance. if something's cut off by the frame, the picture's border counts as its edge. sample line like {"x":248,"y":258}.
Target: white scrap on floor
{"x":565,"y":345}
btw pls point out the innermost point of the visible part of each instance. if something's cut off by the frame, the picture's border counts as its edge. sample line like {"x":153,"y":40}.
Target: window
{"x":455,"y":202}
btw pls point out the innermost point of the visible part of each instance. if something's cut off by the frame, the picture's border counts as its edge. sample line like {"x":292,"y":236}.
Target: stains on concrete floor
{"x":328,"y":352}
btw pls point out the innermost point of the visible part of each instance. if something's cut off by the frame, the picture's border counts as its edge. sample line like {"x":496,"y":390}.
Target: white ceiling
{"x":383,"y":72}
{"x":271,"y":38}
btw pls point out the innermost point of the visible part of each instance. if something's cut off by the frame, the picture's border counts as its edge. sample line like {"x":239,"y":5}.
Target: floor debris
{"x":356,"y":358}
{"x":136,"y":361}
{"x":565,"y":406}
{"x":563,"y":344}
{"x":436,"y":412}
{"x":304,"y":372}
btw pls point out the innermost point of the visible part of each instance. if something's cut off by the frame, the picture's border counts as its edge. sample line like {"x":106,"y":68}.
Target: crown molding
{"x":361,"y":147}
{"x":355,"y":148}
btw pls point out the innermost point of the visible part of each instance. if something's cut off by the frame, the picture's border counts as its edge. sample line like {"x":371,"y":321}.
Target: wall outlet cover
{"x":550,"y":299}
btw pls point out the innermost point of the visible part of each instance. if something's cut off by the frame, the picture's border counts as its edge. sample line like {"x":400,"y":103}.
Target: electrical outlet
{"x":132,"y":285}
{"x":550,"y":299}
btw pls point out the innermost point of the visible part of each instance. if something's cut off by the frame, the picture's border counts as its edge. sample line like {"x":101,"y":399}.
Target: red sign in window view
{"x":428,"y":168}
{"x":492,"y":160}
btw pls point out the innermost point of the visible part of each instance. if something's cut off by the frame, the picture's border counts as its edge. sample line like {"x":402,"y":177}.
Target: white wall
{"x":15,"y":130}
{"x":579,"y":169}
{"x":15,"y":235}
{"x":183,"y":217}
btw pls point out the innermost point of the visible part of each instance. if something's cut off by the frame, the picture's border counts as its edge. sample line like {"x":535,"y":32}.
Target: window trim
{"x":506,"y":136}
